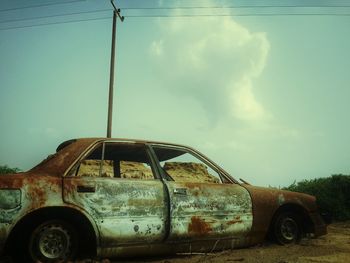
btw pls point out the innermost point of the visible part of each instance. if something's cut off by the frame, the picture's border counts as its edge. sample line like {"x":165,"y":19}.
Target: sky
{"x":265,"y":97}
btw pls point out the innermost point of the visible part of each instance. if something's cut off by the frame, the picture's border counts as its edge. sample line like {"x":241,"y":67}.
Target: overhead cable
{"x":56,"y":23}
{"x":251,"y":14}
{"x":233,"y":7}
{"x":42,"y":5}
{"x":57,"y":15}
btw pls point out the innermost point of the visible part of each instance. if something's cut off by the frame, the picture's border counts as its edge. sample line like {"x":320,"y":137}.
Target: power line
{"x":189,"y":8}
{"x":252,"y":14}
{"x":234,"y":7}
{"x":56,"y":23}
{"x":42,"y":5}
{"x":180,"y":15}
{"x":50,"y":16}
{"x":175,"y":8}
{"x":155,"y":16}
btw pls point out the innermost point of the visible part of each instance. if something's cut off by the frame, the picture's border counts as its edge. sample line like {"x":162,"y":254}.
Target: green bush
{"x":332,"y":193}
{"x":4,"y":169}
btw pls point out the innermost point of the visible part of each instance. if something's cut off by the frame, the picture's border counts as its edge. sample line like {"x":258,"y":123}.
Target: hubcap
{"x":289,"y":229}
{"x":54,"y":242}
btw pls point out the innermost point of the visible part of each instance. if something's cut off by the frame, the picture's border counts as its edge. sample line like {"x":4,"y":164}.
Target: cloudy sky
{"x":267,"y":97}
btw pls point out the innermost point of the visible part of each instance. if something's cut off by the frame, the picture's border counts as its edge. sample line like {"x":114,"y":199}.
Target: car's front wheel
{"x":286,"y":229}
{"x":53,"y":241}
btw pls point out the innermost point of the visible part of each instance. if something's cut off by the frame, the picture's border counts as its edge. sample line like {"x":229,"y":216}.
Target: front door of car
{"x":202,"y":206}
{"x":116,"y":185}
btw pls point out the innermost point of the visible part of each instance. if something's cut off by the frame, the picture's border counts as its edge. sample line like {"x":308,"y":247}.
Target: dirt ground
{"x":331,"y":248}
{"x":334,"y":247}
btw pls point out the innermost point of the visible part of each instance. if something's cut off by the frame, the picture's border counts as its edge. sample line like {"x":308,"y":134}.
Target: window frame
{"x":73,"y":170}
{"x":222,"y":178}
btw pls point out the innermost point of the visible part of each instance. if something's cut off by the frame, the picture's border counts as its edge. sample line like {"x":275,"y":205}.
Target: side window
{"x":181,"y":166}
{"x":91,"y":165}
{"x":114,"y":160}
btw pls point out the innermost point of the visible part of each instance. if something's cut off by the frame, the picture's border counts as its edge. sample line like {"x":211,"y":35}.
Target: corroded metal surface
{"x":126,"y":211}
{"x":209,"y":210}
{"x":59,"y":162}
{"x":10,"y":198}
{"x":266,"y":201}
{"x":35,"y":192}
{"x":148,"y":216}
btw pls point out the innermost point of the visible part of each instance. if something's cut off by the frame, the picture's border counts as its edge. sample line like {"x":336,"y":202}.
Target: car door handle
{"x":180,"y":191}
{"x":86,"y":189}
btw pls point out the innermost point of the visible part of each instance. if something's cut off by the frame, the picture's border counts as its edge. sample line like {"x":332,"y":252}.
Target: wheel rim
{"x":289,"y":229}
{"x":54,"y":242}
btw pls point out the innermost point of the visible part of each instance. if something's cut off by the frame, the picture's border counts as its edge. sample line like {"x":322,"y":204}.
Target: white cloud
{"x":212,"y":66}
{"x":215,"y":61}
{"x":157,"y":47}
{"x":245,"y":106}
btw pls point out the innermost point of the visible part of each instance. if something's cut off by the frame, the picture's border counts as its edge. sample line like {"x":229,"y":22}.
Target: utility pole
{"x":116,"y":13}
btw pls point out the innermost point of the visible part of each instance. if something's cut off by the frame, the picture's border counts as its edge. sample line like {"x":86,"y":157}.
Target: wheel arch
{"x":86,"y":228}
{"x":305,"y":221}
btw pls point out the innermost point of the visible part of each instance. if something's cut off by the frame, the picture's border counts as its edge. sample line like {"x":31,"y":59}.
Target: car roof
{"x":70,"y":150}
{"x":122,"y":140}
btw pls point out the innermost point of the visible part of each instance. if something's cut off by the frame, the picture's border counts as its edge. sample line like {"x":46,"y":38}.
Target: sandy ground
{"x":334,"y":247}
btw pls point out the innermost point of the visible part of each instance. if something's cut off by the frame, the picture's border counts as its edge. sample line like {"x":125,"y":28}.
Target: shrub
{"x":4,"y":169}
{"x":332,"y":193}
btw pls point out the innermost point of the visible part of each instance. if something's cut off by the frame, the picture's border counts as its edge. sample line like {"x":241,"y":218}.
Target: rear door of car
{"x":202,"y":206}
{"x":116,"y":184}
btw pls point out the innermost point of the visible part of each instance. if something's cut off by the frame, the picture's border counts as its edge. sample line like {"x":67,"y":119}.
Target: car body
{"x":118,"y":197}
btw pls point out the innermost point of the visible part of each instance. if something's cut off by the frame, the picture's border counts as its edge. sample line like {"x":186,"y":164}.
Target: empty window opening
{"x":182,"y":166}
{"x":116,"y":160}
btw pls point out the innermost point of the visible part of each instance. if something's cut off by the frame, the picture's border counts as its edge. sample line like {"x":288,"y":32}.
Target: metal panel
{"x":127,"y":211}
{"x":209,"y":210}
{"x":10,"y":198}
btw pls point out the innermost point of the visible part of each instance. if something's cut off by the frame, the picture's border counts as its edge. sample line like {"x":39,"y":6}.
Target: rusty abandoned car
{"x":115,"y":197}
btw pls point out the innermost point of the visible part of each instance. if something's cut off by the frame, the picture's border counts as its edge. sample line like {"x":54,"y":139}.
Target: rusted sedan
{"x":114,"y":197}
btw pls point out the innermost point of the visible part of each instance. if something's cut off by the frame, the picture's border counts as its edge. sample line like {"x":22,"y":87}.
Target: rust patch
{"x":38,"y":196}
{"x":40,"y":189}
{"x":145,"y":202}
{"x":199,"y":226}
{"x":236,"y":220}
{"x":70,"y":186}
{"x":12,"y":181}
{"x":59,"y":162}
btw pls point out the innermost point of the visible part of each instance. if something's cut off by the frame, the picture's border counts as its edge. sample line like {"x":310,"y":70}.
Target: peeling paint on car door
{"x":201,"y":206}
{"x":115,"y":184}
{"x":126,"y":211}
{"x":209,"y":210}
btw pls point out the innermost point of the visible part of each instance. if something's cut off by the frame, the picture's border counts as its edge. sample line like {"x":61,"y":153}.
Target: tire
{"x":286,"y":229}
{"x":53,"y":241}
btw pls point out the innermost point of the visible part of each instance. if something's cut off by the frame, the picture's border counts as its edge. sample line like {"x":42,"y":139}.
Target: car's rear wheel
{"x":53,"y":241}
{"x":286,"y":229}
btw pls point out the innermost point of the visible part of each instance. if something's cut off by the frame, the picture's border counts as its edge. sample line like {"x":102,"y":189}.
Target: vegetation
{"x":4,"y":169}
{"x":332,"y":193}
